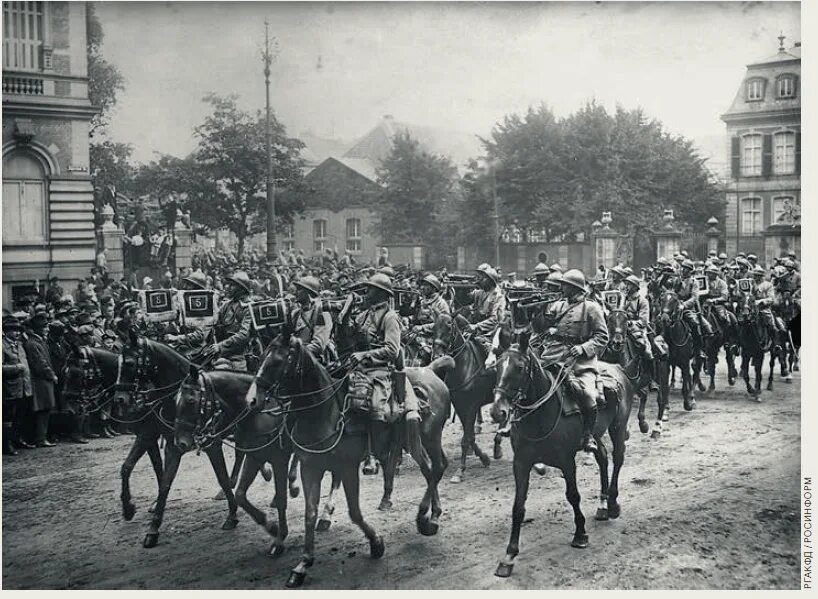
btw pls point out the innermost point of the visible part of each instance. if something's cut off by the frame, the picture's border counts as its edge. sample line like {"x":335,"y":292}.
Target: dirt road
{"x":712,"y":504}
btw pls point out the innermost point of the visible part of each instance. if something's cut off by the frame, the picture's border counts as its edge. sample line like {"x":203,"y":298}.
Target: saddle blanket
{"x":373,"y":394}
{"x":610,"y":389}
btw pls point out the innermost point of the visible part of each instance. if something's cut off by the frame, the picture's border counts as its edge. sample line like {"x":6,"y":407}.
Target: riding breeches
{"x":582,"y":383}
{"x":773,"y":323}
{"x":698,"y":325}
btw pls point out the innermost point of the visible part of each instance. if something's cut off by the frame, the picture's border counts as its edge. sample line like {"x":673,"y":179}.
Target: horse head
{"x":512,"y":379}
{"x":188,"y":407}
{"x":274,"y":363}
{"x":131,"y":366}
{"x":444,"y":335}
{"x":617,"y":330}
{"x":670,"y":308}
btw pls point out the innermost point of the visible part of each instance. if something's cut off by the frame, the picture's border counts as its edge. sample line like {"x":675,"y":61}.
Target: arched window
{"x":24,"y":199}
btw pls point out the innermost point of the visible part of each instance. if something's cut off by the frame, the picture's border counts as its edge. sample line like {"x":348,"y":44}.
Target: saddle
{"x":609,"y":384}
{"x":382,"y":398}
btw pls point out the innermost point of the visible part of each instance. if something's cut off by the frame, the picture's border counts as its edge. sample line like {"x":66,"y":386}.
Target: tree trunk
{"x":240,"y":236}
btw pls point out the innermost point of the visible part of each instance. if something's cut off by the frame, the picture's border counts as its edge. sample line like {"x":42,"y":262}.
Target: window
{"x":755,"y":90}
{"x":319,"y":234}
{"x":751,"y":155}
{"x":783,"y":206}
{"x":786,"y":86}
{"x":537,"y":236}
{"x":22,"y":35}
{"x":354,"y":235}
{"x":784,"y":153}
{"x":24,"y":199}
{"x":750,"y":216}
{"x":288,"y":241}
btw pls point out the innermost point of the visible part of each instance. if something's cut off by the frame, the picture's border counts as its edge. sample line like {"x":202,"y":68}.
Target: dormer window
{"x":786,"y":86}
{"x":755,"y":90}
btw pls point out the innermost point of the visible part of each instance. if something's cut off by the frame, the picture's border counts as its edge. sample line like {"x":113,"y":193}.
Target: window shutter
{"x":797,"y":152}
{"x":735,"y":156}
{"x":767,"y":156}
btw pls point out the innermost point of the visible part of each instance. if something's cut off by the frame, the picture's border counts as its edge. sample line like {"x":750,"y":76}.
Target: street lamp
{"x":493,"y":163}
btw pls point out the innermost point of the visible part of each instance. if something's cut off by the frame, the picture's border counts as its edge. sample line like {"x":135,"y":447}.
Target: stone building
{"x":48,"y":203}
{"x":764,"y":132}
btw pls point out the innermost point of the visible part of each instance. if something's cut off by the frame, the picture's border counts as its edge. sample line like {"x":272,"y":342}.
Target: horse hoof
{"x":377,"y":547}
{"x":498,"y":452}
{"x":484,"y":459}
{"x":456,"y":479}
{"x":788,"y":380}
{"x":230,"y":523}
{"x":151,"y":539}
{"x":128,"y":511}
{"x":478,"y":429}
{"x":295,"y":491}
{"x":323,"y":525}
{"x":219,"y":496}
{"x":796,"y":368}
{"x":580,"y":541}
{"x":504,"y":570}
{"x":665,"y":418}
{"x":655,"y":434}
{"x":689,"y":405}
{"x":540,"y":469}
{"x":385,"y":505}
{"x":296,"y":579}
{"x":276,"y":550}
{"x":643,"y":427}
{"x":614,"y":511}
{"x":267,"y":472}
{"x":731,"y":382}
{"x":601,"y":514}
{"x":425,"y":527}
{"x":770,"y":387}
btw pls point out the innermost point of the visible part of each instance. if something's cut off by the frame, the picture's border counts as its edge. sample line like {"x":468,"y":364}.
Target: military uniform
{"x":314,"y":327}
{"x":232,"y":331}
{"x":489,"y":311}
{"x":764,"y":296}
{"x":637,"y":309}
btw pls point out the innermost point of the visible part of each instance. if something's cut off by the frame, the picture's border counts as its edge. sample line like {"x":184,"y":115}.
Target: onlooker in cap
{"x":16,"y":384}
{"x":43,"y":378}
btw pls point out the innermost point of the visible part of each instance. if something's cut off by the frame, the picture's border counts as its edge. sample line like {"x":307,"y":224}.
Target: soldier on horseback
{"x":310,"y":322}
{"x":432,"y":305}
{"x":233,"y":325}
{"x":718,"y":296}
{"x":764,"y":296}
{"x":578,"y":332}
{"x":687,"y":291}
{"x":489,"y":307}
{"x":638,"y":311}
{"x":191,"y":338}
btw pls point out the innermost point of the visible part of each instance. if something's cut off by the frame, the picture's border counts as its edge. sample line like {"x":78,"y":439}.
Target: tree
{"x":417,"y":185}
{"x":104,"y":79}
{"x":231,"y":169}
{"x":113,"y":173}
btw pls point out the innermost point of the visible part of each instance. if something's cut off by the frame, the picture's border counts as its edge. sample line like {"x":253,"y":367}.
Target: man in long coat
{"x":43,"y":378}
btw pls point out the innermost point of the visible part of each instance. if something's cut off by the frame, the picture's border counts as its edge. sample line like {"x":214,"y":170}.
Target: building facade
{"x":48,"y":201}
{"x":764,"y":132}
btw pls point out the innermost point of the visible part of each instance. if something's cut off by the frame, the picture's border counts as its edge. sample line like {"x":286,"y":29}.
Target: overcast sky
{"x":340,"y":67}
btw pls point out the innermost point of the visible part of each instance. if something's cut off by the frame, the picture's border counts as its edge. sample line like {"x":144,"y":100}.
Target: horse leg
{"x":234,"y":474}
{"x":156,"y":461}
{"x":618,"y":460}
{"x":672,"y":377}
{"x":434,"y":447}
{"x":758,"y":364}
{"x":643,"y":423}
{"x":138,"y":449}
{"x":324,"y":521}
{"x":465,"y":444}
{"x":352,"y":492}
{"x":522,"y":476}
{"x":484,"y":459}
{"x":311,"y":481}
{"x":390,"y":463}
{"x":773,"y":354}
{"x":214,"y":453}
{"x":172,"y":458}
{"x":601,"y":455}
{"x":292,"y":477}
{"x":248,"y":475}
{"x":698,"y":366}
{"x":280,"y":480}
{"x":687,"y":388}
{"x":580,"y":540}
{"x":430,"y":469}
{"x":731,"y":366}
{"x":498,"y":447}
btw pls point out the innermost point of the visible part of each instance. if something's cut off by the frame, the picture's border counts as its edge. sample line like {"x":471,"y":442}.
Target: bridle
{"x":91,"y":377}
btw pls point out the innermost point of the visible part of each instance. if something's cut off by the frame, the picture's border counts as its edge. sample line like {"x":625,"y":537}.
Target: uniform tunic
{"x":489,"y":310}
{"x":42,"y":373}
{"x":313,"y":327}
{"x":232,"y":330}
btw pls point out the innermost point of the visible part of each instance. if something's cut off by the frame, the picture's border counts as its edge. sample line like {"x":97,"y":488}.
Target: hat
{"x":85,"y":329}
{"x":684,"y":253}
{"x":688,"y":264}
{"x":633,"y":280}
{"x":490,"y":273}
{"x":56,"y":324}
{"x":380,"y":281}
{"x":387,"y":270}
{"x":38,"y":321}
{"x":758,"y":270}
{"x":311,"y":284}
{"x":722,"y":256}
{"x":83,"y":318}
{"x":740,"y":261}
{"x":432,"y":281}
{"x":241,"y":279}
{"x":752,"y":257}
{"x":109,"y":334}
{"x":618,"y":270}
{"x":196,"y":279}
{"x":712,"y":268}
{"x":575,"y":278}
{"x":555,"y":267}
{"x":11,"y":323}
{"x":541,"y":269}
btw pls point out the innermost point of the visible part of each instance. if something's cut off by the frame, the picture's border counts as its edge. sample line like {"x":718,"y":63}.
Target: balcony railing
{"x":27,"y":86}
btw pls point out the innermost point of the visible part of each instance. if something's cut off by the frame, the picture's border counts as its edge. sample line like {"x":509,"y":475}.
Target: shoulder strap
{"x":568,"y":309}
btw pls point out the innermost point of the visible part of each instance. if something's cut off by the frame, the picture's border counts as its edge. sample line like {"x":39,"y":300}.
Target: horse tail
{"x":442,"y":366}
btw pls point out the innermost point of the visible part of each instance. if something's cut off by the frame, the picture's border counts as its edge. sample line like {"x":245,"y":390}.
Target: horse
{"x":722,"y":337}
{"x":681,"y":345}
{"x":789,"y":309}
{"x":622,"y":350}
{"x":89,"y":377}
{"x":470,"y":384}
{"x":755,"y":341}
{"x":528,"y":403}
{"x":149,"y":377}
{"x":212,"y":405}
{"x":327,"y":437}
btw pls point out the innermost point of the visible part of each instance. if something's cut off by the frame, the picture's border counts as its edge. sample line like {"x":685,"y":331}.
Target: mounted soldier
{"x":432,"y":305}
{"x":488,"y":307}
{"x":540,"y":274}
{"x":233,"y":327}
{"x":578,"y":332}
{"x":687,"y":290}
{"x":191,"y":338}
{"x":310,"y":322}
{"x":718,"y":295}
{"x":764,"y":296}
{"x":637,"y":309}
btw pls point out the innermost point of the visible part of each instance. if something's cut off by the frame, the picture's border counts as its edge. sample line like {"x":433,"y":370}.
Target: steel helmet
{"x":752,"y":257}
{"x":688,"y":264}
{"x":712,"y":253}
{"x":241,"y":279}
{"x":722,"y":256}
{"x":309,"y":283}
{"x":633,"y":280}
{"x":541,"y":269}
{"x":555,"y":268}
{"x":617,"y":270}
{"x":575,"y":278}
{"x":432,"y":281}
{"x":381,"y":281}
{"x":491,"y":274}
{"x":684,"y":253}
{"x":387,"y":270}
{"x":628,"y":271}
{"x":757,"y":270}
{"x":483,"y":267}
{"x":788,"y":263}
{"x":712,"y":268}
{"x":197,"y":279}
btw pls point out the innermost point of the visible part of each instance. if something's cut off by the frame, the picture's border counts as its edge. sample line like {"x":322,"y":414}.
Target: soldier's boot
{"x":8,"y":447}
{"x":589,"y":410}
{"x":370,"y":463}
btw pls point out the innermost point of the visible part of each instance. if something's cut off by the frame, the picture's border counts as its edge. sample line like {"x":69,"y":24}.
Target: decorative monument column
{"x":605,"y":241}
{"x":184,"y":238}
{"x":668,"y":238}
{"x":112,"y":243}
{"x":785,"y":235}
{"x":713,"y":234}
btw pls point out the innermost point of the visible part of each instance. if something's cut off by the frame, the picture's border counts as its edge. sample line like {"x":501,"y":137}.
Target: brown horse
{"x":681,"y":344}
{"x":470,"y":384}
{"x":327,"y":437}
{"x":756,"y":341}
{"x":529,"y":402}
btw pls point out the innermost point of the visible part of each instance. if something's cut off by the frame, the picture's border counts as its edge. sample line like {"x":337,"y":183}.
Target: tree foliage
{"x":231,"y":169}
{"x":417,"y":188}
{"x":104,"y":79}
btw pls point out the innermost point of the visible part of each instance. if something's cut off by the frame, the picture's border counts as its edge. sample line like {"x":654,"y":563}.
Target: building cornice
{"x":759,"y":116}
{"x":50,"y":108}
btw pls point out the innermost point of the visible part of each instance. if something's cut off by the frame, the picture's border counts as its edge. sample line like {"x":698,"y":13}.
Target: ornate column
{"x":668,"y":238}
{"x":604,"y":241}
{"x":112,"y":243}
